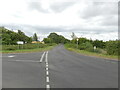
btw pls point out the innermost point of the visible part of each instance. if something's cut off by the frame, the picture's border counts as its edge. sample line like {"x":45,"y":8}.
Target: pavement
{"x":58,"y":68}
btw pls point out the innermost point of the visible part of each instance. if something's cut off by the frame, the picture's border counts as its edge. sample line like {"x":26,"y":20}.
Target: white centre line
{"x":46,"y":65}
{"x":47,"y":79}
{"x":42,"y":57}
{"x":47,"y":68}
{"x":46,"y":60}
{"x":48,"y":86}
{"x":47,"y":73}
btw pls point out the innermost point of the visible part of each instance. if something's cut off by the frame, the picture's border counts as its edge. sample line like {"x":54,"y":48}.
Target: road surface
{"x":58,"y":68}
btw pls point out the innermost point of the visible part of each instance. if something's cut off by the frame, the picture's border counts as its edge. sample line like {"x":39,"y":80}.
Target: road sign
{"x":20,"y":42}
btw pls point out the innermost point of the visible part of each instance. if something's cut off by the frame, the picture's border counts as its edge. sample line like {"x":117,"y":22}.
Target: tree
{"x":99,"y":43}
{"x":35,"y":38}
{"x":22,"y":36}
{"x":9,"y":37}
{"x":73,"y":36}
{"x":47,"y":40}
{"x":82,"y":40}
{"x":55,"y":38}
{"x":112,"y":47}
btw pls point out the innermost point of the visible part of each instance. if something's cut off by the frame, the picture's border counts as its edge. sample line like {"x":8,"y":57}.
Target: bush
{"x":86,"y":46}
{"x":50,"y":44}
{"x":112,"y":47}
{"x":24,"y":46}
{"x":70,"y":45}
{"x":99,"y":50}
{"x":9,"y":47}
{"x":82,"y":46}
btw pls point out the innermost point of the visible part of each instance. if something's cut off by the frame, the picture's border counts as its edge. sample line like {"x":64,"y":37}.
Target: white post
{"x":77,"y":42}
{"x":94,"y":48}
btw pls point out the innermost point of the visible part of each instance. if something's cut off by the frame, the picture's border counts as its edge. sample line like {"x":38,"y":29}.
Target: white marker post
{"x":77,"y":42}
{"x":95,"y":48}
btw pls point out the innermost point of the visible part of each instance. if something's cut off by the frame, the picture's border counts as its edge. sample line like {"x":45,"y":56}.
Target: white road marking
{"x":42,"y":57}
{"x":47,"y":73}
{"x":47,"y":79}
{"x":47,"y":65}
{"x":22,"y":61}
{"x":11,"y":56}
{"x":46,"y":60}
{"x":47,"y":68}
{"x":48,"y":86}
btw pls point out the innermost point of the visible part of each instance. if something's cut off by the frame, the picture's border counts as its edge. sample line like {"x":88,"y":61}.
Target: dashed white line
{"x":46,"y":65}
{"x":48,"y":86}
{"x":46,"y":60}
{"x":47,"y":79}
{"x":42,"y":57}
{"x":11,"y":56}
{"x":47,"y":73}
{"x":47,"y":68}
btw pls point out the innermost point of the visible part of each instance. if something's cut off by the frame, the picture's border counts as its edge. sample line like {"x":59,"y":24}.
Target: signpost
{"x":20,"y":42}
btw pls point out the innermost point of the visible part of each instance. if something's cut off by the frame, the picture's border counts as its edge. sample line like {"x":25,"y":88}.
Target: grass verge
{"x":83,"y":52}
{"x":28,"y":50}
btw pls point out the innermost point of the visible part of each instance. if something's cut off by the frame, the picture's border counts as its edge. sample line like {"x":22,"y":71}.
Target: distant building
{"x":37,"y":42}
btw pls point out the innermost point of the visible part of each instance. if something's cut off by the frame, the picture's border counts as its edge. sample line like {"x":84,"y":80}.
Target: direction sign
{"x":20,"y":42}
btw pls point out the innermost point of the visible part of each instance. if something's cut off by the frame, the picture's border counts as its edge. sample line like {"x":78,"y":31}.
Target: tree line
{"x":55,"y":38}
{"x":9,"y":37}
{"x":111,"y":47}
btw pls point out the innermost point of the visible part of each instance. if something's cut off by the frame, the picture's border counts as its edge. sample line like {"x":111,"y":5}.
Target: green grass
{"x":28,"y":50}
{"x":83,"y":52}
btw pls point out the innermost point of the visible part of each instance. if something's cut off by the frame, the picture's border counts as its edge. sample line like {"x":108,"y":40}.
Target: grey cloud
{"x":99,"y":8}
{"x":61,"y":6}
{"x":56,"y":7}
{"x":111,"y":20}
{"x":34,"y":5}
{"x":45,"y":30}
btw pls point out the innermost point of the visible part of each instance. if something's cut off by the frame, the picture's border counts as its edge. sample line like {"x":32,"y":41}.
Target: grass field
{"x":28,"y":50}
{"x":83,"y":52}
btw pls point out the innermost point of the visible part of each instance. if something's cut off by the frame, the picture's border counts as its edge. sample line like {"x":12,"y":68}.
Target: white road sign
{"x":20,"y":42}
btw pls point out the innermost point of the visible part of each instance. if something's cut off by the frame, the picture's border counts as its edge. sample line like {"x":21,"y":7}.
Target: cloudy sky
{"x":96,"y":19}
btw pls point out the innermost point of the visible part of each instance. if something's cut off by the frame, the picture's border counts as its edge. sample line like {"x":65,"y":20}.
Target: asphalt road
{"x":58,"y":68}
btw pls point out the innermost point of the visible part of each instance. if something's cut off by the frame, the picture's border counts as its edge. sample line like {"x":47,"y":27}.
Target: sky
{"x":95,"y":19}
